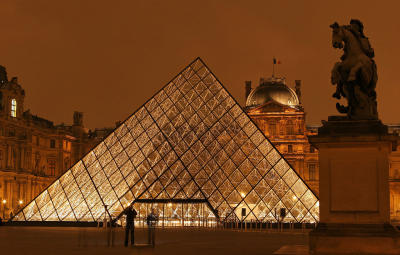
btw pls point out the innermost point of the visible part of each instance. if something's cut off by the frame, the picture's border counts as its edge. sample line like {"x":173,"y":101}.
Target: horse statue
{"x":355,"y":76}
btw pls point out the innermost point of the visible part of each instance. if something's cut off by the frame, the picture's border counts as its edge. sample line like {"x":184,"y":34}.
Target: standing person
{"x":152,"y":219}
{"x":130,"y":225}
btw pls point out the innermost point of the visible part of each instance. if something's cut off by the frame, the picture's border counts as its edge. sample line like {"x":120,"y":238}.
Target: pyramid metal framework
{"x":191,"y":142}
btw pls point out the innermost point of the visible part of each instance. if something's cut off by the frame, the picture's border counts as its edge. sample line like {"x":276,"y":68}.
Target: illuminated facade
{"x":33,"y":151}
{"x":278,"y":112}
{"x":394,"y":177}
{"x":191,"y":154}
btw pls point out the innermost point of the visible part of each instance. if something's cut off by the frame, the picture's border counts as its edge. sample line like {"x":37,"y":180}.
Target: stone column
{"x":354,"y":189}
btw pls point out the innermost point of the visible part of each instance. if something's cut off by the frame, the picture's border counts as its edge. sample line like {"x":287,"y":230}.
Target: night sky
{"x":106,"y":58}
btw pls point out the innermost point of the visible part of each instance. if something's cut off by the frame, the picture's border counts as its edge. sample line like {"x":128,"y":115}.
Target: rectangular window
{"x":290,"y":148}
{"x":272,"y":129}
{"x":66,"y":145}
{"x":52,"y":166}
{"x":13,"y":108}
{"x":311,"y":172}
{"x":11,"y":132}
{"x":52,"y":143}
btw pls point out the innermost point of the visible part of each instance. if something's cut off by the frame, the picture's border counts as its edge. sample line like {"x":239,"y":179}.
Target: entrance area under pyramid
{"x":191,"y":155}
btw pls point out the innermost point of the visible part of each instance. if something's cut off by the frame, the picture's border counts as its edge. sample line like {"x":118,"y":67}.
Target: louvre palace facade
{"x":34,"y":151}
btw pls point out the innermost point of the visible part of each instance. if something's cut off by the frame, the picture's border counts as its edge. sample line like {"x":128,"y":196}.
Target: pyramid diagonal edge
{"x":191,"y":141}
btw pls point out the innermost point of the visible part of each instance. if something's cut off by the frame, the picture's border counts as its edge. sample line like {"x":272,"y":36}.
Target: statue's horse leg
{"x":335,"y":74}
{"x":336,"y":79}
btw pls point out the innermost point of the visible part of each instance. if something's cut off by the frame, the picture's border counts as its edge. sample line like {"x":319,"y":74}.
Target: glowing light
{"x":4,"y":201}
{"x":20,"y":202}
{"x":294,"y":198}
{"x":169,"y":204}
{"x":242,"y":194}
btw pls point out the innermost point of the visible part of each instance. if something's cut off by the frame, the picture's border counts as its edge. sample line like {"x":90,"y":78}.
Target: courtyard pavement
{"x":73,"y":240}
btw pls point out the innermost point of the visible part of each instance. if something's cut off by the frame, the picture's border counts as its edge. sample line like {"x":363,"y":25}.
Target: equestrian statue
{"x":355,"y":76}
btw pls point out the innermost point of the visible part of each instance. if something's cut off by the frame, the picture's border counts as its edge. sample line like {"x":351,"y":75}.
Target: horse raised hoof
{"x":336,"y":95}
{"x":341,"y":108}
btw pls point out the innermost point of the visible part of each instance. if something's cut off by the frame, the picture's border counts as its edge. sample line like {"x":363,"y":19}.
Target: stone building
{"x":277,"y":110}
{"x":394,"y":177}
{"x":34,"y":151}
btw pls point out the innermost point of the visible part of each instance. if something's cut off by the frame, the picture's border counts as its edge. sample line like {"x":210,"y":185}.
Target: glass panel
{"x":54,"y":189}
{"x":59,"y":199}
{"x":42,"y":199}
{"x":280,"y":188}
{"x":94,"y":168}
{"x":299,"y":188}
{"x":100,"y":149}
{"x":30,"y":210}
{"x":121,"y":131}
{"x":64,"y":211}
{"x":281,"y":167}
{"x":78,"y":168}
{"x":115,"y":149}
{"x":47,"y":210}
{"x":89,"y":159}
{"x":75,"y":199}
{"x":82,"y":210}
{"x":290,"y":178}
{"x":308,"y":199}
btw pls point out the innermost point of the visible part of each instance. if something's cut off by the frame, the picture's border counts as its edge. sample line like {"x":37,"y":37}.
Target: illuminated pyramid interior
{"x":190,"y":153}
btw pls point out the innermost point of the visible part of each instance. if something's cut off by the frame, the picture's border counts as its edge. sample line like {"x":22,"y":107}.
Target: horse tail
{"x":374,"y":79}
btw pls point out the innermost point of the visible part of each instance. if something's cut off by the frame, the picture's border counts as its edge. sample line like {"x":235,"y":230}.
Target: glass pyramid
{"x":190,"y":151}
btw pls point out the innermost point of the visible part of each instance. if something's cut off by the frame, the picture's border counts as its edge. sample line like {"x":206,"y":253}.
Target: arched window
{"x":13,"y":108}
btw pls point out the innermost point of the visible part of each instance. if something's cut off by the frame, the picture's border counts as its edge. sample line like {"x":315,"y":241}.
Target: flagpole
{"x":273,"y":66}
{"x":273,"y":69}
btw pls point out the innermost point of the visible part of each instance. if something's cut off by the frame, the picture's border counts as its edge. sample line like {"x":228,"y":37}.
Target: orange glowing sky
{"x":106,"y":58}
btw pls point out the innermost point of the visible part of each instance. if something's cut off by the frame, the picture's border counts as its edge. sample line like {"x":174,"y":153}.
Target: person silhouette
{"x":130,"y":225}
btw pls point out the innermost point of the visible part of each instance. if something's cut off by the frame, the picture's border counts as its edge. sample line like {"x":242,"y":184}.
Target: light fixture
{"x":4,"y":201}
{"x":242,"y":194}
{"x":20,"y":202}
{"x":169,"y":204}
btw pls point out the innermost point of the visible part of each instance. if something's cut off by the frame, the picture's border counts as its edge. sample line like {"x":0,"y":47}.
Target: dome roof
{"x":272,"y":89}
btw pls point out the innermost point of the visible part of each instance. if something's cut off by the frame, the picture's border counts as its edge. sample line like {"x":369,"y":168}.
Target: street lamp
{"x":4,"y":208}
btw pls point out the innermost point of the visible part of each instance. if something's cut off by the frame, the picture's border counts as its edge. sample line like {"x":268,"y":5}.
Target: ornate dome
{"x":272,"y":89}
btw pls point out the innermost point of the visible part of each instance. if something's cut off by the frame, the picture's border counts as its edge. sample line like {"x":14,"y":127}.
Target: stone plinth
{"x":354,"y":189}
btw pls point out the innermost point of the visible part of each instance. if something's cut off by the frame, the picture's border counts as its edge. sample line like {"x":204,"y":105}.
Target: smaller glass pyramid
{"x":190,"y":153}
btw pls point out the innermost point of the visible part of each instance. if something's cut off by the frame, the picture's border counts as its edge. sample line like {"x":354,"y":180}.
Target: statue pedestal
{"x":354,"y":189}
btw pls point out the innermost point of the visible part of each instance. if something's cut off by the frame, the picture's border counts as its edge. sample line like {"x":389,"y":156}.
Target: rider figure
{"x":357,"y":27}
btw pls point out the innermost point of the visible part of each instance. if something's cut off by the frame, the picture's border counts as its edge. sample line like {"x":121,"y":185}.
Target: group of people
{"x":151,"y":221}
